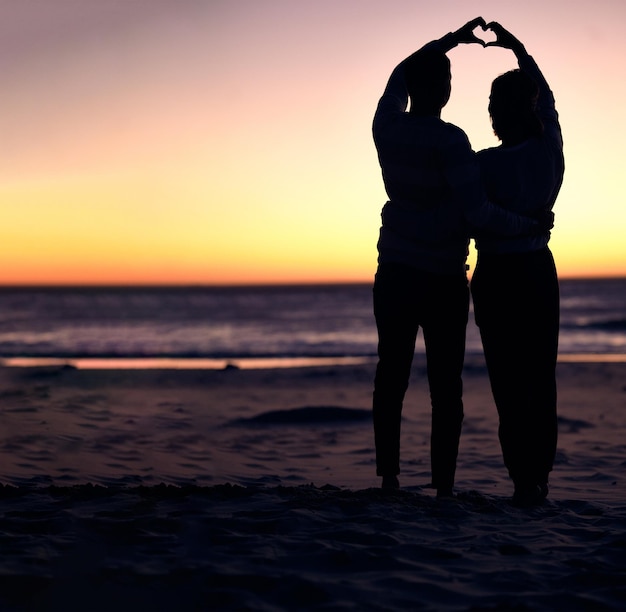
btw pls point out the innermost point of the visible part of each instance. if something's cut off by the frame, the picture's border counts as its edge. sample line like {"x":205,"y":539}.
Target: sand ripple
{"x":283,"y":548}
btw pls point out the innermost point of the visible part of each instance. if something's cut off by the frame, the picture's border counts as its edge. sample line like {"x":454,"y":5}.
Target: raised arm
{"x":545,"y":103}
{"x":396,"y":96}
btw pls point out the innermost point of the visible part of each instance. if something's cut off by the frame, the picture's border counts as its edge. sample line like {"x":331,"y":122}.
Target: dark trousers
{"x":406,"y":299}
{"x":516,"y":304}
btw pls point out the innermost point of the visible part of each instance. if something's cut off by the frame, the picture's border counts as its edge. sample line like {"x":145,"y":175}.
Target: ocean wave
{"x":249,"y":323}
{"x":618,"y":325}
{"x":588,"y":323}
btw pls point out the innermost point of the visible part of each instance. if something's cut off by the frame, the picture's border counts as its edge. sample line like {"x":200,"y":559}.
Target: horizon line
{"x":235,"y":284}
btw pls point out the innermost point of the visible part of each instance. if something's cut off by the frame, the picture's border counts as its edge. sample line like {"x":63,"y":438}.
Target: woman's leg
{"x":516,"y":306}
{"x":542,"y":349}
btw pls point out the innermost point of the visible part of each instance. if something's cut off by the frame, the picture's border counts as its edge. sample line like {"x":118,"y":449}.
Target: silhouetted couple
{"x":440,"y":194}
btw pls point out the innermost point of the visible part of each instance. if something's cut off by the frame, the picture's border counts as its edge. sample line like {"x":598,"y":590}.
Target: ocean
{"x":252,"y":326}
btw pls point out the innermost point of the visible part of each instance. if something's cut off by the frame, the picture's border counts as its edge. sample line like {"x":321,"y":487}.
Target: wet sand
{"x":255,"y":489}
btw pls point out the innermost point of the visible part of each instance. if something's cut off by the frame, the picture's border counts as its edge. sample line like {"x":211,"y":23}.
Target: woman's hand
{"x":504,"y":38}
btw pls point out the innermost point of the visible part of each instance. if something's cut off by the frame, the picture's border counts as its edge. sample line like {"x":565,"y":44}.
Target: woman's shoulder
{"x":489,"y":153}
{"x":527,"y":147}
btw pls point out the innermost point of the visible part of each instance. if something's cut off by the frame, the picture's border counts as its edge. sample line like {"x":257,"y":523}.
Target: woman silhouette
{"x":515,"y":287}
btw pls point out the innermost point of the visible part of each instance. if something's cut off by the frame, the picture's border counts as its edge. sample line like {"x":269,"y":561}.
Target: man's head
{"x":428,"y":81}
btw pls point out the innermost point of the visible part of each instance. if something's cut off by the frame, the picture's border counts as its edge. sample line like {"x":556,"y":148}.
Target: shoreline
{"x":248,"y":363}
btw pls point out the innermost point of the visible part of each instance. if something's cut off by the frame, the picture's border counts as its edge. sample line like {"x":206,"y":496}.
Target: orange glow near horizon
{"x":230,"y":143}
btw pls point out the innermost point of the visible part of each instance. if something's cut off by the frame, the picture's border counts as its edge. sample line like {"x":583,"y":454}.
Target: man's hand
{"x":545,"y":222}
{"x":466,"y":33}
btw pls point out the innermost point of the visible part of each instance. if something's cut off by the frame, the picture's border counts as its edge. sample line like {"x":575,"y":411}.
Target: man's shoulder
{"x":453,"y":132}
{"x":424,"y":131}
{"x":453,"y":137}
{"x":442,"y":131}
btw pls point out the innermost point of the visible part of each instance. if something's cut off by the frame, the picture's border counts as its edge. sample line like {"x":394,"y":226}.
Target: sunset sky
{"x":208,"y":141}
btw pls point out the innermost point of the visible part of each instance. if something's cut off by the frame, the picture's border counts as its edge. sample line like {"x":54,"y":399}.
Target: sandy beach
{"x":255,"y":490}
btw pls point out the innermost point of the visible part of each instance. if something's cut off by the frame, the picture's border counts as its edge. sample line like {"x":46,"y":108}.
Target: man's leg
{"x":396,"y":321}
{"x":444,"y":335}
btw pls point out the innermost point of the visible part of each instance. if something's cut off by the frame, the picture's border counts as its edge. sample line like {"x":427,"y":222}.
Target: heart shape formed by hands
{"x":485,"y":35}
